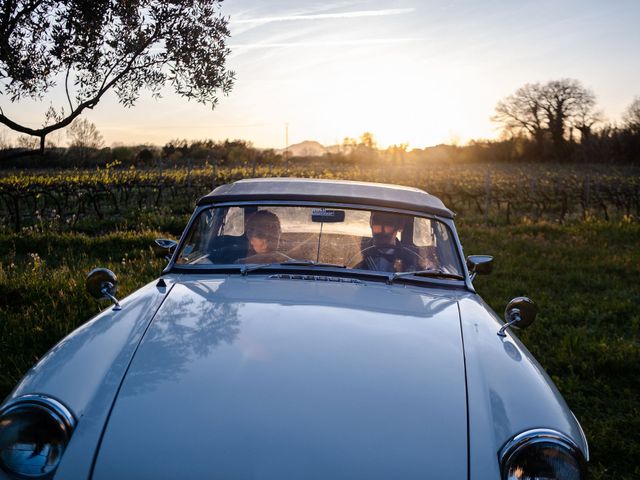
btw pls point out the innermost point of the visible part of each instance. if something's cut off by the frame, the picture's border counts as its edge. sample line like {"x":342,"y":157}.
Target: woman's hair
{"x":264,"y":224}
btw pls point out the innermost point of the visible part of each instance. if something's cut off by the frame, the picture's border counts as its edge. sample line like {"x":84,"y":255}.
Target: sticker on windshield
{"x":325,"y":215}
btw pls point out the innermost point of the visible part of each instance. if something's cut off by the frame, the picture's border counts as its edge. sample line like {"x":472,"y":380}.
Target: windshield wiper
{"x":430,"y":272}
{"x":289,"y":263}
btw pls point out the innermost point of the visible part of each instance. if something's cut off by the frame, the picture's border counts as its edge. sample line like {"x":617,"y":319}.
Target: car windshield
{"x":249,"y":236}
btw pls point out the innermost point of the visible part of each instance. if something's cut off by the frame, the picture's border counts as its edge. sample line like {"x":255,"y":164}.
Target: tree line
{"x":84,"y":49}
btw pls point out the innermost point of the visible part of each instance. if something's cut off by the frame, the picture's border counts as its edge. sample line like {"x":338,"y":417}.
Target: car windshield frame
{"x":321,"y":269}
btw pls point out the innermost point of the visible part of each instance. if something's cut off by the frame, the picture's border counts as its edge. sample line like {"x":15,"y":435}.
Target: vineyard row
{"x":505,"y":195}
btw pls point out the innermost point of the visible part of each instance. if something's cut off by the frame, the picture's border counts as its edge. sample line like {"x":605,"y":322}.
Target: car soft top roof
{"x":333,"y":191}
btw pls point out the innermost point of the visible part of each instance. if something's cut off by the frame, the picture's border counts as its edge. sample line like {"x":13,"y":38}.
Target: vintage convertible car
{"x":301,"y":329}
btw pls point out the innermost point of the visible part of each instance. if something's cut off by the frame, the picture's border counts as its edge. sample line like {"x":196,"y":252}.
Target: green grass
{"x":586,"y":280}
{"x":42,"y":293}
{"x":585,"y":277}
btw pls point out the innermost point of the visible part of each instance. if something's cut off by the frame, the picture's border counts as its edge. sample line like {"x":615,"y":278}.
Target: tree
{"x":522,"y":112}
{"x":632,"y":116}
{"x":84,"y":134}
{"x":584,"y":120}
{"x":368,"y":140}
{"x":145,"y":156}
{"x":565,"y":102}
{"x":348,"y":145}
{"x":5,"y":141}
{"x":396,"y":153}
{"x":84,"y":137}
{"x":94,"y":46}
{"x":366,"y":150}
{"x":548,"y":110}
{"x":26,"y":142}
{"x":175,"y":148}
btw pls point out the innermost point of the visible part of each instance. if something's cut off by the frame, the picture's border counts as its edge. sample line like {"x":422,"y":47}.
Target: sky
{"x":421,"y":72}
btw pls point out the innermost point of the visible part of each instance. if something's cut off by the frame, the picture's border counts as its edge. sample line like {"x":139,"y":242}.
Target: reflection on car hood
{"x":248,"y":377}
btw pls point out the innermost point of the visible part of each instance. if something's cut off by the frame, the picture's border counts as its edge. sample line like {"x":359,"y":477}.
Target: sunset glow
{"x":421,"y":72}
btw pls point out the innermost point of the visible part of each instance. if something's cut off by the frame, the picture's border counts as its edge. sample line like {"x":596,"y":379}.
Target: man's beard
{"x":383,"y":239}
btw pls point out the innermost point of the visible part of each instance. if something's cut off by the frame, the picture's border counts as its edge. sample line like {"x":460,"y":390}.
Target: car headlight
{"x":542,"y":454}
{"x":34,"y":432}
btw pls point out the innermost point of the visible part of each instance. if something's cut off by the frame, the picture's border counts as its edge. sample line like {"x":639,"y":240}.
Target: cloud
{"x":325,"y":16}
{"x":341,"y":43}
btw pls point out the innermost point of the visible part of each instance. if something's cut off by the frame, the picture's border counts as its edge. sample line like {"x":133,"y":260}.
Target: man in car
{"x":384,"y":252}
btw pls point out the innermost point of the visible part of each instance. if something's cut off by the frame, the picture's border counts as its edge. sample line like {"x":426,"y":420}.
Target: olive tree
{"x":86,"y":48}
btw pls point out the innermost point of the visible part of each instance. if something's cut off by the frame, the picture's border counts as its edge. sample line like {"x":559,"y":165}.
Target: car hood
{"x":258,"y":377}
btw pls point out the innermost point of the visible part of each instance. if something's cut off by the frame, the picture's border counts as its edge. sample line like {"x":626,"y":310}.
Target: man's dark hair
{"x":386,"y":218}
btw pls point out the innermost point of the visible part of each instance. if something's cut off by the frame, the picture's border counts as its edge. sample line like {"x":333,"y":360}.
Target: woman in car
{"x":262,"y":229}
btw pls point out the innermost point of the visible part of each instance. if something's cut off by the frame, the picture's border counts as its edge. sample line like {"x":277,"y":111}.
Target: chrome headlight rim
{"x":56,"y":409}
{"x":540,"y":435}
{"x":39,"y":404}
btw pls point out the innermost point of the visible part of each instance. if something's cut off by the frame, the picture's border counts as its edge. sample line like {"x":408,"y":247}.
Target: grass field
{"x":585,"y":277}
{"x":586,"y":281}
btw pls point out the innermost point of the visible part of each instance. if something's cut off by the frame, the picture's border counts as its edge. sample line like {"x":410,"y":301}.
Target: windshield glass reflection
{"x":349,"y":238}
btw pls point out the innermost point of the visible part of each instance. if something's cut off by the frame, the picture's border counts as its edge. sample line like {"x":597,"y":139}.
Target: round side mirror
{"x":520,"y":312}
{"x":99,"y":280}
{"x":102,"y":283}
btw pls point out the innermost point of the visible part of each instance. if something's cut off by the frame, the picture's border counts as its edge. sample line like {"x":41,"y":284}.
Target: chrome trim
{"x":106,"y":290}
{"x":584,"y":437}
{"x":53,"y":407}
{"x":537,"y":435}
{"x":516,"y":319}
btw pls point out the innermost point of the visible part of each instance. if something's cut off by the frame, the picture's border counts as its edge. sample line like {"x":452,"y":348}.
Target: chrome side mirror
{"x":479,"y":265}
{"x":520,"y":313}
{"x":102,"y":283}
{"x":165,"y":247}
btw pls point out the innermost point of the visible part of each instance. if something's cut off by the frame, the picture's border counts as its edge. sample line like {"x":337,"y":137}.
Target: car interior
{"x":220,"y":239}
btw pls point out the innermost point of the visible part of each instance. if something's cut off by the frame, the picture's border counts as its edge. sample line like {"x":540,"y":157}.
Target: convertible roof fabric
{"x":333,"y":191}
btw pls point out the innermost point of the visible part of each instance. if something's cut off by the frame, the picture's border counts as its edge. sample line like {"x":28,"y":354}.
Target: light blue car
{"x":302,"y":329}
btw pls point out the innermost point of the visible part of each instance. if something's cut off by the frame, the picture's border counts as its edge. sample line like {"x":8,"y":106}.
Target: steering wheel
{"x":396,"y":251}
{"x":270,"y":257}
